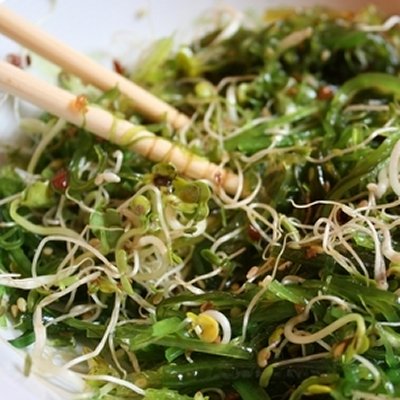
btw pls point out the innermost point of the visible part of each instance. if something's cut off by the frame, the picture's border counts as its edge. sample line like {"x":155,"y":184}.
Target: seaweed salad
{"x":140,"y":283}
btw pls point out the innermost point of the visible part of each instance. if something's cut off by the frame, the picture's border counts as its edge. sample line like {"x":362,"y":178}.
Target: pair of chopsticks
{"x":100,"y":122}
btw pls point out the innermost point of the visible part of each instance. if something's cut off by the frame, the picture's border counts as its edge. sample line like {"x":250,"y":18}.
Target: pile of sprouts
{"x":127,"y":280}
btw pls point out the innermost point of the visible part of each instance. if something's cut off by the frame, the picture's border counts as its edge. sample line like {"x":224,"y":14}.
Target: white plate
{"x":106,"y":30}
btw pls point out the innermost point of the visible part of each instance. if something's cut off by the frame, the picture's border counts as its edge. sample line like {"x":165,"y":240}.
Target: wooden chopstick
{"x":102,"y":123}
{"x":32,"y":37}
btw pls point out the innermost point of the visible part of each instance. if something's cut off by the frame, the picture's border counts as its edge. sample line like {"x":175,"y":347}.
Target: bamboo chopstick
{"x":102,"y":123}
{"x":32,"y":37}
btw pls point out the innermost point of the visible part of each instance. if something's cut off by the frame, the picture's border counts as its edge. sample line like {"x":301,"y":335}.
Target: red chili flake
{"x":312,"y":251}
{"x":253,"y":233}
{"x":14,"y":59}
{"x":60,"y":180}
{"x":80,"y":104}
{"x":325,"y":93}
{"x":118,"y":68}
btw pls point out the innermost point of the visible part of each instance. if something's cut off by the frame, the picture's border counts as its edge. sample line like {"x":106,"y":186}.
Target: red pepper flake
{"x":312,"y":251}
{"x":325,"y":93}
{"x":253,"y":233}
{"x":14,"y":59}
{"x":118,"y":68}
{"x":80,"y":104}
{"x":60,"y":180}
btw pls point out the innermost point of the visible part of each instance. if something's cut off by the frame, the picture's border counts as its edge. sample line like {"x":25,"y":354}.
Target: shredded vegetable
{"x":145,"y":284}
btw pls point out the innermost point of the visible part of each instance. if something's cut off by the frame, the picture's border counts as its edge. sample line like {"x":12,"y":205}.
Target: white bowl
{"x":108,"y":29}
